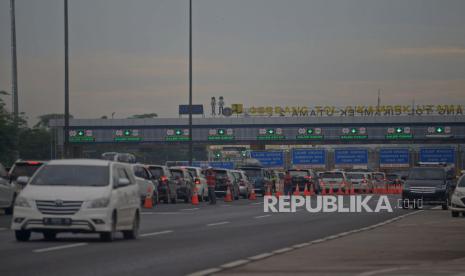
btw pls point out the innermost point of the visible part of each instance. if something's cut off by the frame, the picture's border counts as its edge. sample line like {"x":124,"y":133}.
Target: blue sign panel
{"x":351,"y":156}
{"x":446,"y":155}
{"x":222,"y":165}
{"x":394,"y":156}
{"x":309,"y":157}
{"x":270,"y":159}
{"x":196,"y":109}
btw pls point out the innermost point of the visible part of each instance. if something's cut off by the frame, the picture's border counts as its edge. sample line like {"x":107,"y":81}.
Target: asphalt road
{"x":177,"y":240}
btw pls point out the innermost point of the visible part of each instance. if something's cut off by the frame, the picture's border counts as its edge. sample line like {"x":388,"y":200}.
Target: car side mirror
{"x":122,"y":182}
{"x":22,"y":180}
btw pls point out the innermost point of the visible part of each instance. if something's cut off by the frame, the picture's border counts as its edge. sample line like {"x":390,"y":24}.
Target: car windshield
{"x":332,"y":175}
{"x":24,"y":169}
{"x":157,"y":172}
{"x":426,"y":174}
{"x":253,"y":173}
{"x":355,"y":176}
{"x":176,"y":173}
{"x":72,"y":175}
{"x":298,"y":173}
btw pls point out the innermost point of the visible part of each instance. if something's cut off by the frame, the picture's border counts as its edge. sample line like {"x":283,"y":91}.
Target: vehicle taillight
{"x":197,"y":181}
{"x":33,"y":163}
{"x":364,"y":180}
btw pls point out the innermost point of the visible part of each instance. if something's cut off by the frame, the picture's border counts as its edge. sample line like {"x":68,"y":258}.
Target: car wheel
{"x":49,"y":236}
{"x":454,"y":214}
{"x":134,"y":232}
{"x":110,"y":236}
{"x":22,"y":235}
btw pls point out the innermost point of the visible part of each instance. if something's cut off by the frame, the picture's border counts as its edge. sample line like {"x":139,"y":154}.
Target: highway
{"x":178,"y":239}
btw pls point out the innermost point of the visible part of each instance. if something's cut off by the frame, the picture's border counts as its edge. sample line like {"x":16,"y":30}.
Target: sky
{"x":131,"y":57}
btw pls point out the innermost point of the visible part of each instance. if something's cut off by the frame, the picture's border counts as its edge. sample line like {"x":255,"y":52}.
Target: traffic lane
{"x":195,"y":248}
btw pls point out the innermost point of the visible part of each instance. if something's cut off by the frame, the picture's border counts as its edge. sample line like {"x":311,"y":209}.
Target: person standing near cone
{"x":288,"y":184}
{"x":211,"y":182}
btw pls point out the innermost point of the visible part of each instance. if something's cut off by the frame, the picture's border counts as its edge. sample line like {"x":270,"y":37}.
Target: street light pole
{"x":191,"y":153}
{"x":14,"y":69}
{"x":66,"y":128}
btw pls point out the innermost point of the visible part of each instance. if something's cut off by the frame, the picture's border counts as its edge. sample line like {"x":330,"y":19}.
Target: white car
{"x":7,"y":191}
{"x":457,"y":203}
{"x":360,"y":180}
{"x":199,"y":180}
{"x":78,"y":196}
{"x":145,"y":182}
{"x":335,"y":179}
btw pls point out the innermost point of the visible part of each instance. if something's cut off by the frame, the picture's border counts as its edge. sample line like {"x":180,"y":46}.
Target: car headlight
{"x":459,"y":193}
{"x":99,"y":203}
{"x":22,"y":202}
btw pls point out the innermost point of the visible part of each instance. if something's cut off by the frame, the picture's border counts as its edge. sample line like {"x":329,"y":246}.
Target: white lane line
{"x":59,"y":247}
{"x":297,"y":246}
{"x":235,"y":263}
{"x":256,"y":203}
{"x":260,"y":256}
{"x":218,"y":223}
{"x":190,"y":209}
{"x":156,"y":233}
{"x":264,"y":216}
{"x":205,"y":272}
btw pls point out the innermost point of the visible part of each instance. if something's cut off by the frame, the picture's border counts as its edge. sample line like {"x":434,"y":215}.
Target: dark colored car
{"x":184,"y":183}
{"x":259,"y":177}
{"x":23,"y":168}
{"x":431,"y":185}
{"x":304,"y":178}
{"x":166,"y":184}
{"x":225,"y":179}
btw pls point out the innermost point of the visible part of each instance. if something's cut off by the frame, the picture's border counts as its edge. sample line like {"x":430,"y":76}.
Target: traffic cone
{"x":253,"y":196}
{"x":268,"y":191}
{"x":352,"y":190}
{"x":323,"y":188}
{"x":195,"y":197}
{"x":331,"y":190}
{"x":148,"y":202}
{"x":228,"y":197}
{"x":307,"y":192}
{"x":297,"y":192}
{"x":278,"y":194}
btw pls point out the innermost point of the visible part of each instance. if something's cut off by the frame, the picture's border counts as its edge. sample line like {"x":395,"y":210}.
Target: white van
{"x":78,"y":196}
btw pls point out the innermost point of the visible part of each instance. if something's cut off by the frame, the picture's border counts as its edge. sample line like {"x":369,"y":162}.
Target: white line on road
{"x":205,"y":272}
{"x":264,"y":216}
{"x":190,"y":209}
{"x":260,"y":256}
{"x":59,"y":247}
{"x":218,"y":223}
{"x":256,"y":203}
{"x":156,"y":233}
{"x":235,"y":263}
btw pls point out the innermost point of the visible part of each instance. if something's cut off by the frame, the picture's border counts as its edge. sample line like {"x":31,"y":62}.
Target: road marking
{"x":156,"y":233}
{"x":264,"y":216}
{"x":190,"y":209}
{"x":235,"y":263}
{"x":218,"y":223}
{"x":297,"y":246}
{"x":59,"y":247}
{"x":260,"y":256}
{"x":205,"y":272}
{"x":256,"y":203}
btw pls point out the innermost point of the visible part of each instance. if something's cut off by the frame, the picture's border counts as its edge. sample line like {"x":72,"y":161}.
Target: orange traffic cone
{"x":195,"y":197}
{"x":331,"y":190}
{"x":323,"y":188}
{"x":253,"y":196}
{"x":307,"y":192}
{"x":296,"y":192}
{"x":268,"y":191}
{"x":228,"y":197}
{"x":148,"y":202}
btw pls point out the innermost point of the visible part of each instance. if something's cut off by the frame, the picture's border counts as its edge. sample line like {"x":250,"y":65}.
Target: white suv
{"x":78,"y":196}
